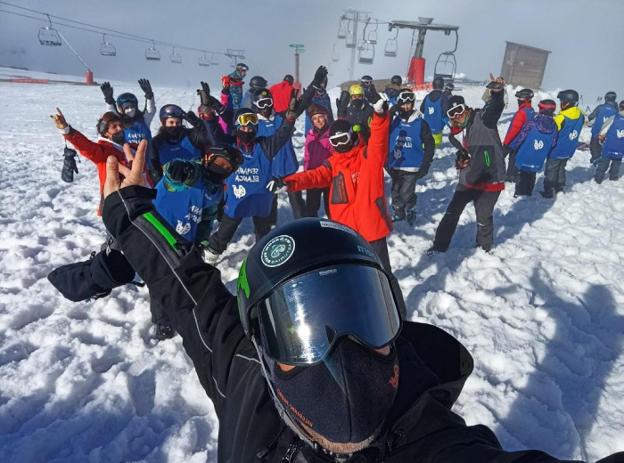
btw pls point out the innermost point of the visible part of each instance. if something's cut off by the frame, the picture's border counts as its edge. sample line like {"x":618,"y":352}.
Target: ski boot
{"x":411,"y":216}
{"x":397,"y":214}
{"x":211,"y":256}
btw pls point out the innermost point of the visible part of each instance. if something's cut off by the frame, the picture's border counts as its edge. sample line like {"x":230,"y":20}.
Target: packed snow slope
{"x":543,"y":314}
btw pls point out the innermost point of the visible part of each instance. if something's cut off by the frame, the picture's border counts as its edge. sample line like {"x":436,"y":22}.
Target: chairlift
{"x":151,"y":54}
{"x":370,"y":35}
{"x":203,"y":60}
{"x":392,"y":44}
{"x":335,"y":57}
{"x":175,"y":57}
{"x":446,"y":64}
{"x":367,"y":53}
{"x":48,"y":36}
{"x":342,"y":27}
{"x":213,"y":59}
{"x":107,"y":48}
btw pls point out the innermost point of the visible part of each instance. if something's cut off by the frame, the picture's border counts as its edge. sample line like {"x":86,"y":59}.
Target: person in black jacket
{"x":294,"y":373}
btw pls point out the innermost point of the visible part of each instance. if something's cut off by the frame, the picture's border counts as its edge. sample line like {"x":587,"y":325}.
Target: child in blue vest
{"x":434,"y":108}
{"x":524,"y":114}
{"x":569,"y":122}
{"x":532,"y":145}
{"x":612,"y":137}
{"x":597,"y":119}
{"x":411,"y":148}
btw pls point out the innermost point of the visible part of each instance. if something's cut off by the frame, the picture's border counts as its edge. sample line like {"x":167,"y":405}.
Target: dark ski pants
{"x":512,"y":170}
{"x":220,"y":239}
{"x":603,"y":165}
{"x":484,"y":202}
{"x":525,"y":182}
{"x":403,"y":191}
{"x":381,"y":249}
{"x":297,"y":206}
{"x":595,"y":148}
{"x":554,"y":176}
{"x":313,"y":201}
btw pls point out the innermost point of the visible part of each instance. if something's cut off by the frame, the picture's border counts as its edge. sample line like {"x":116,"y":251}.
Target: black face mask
{"x":246,"y":137}
{"x":216,"y":172}
{"x":119,"y":138}
{"x":403,"y":114}
{"x":346,"y":398}
{"x":343,"y":148}
{"x":266,"y":112}
{"x":357,"y":104}
{"x":173,"y":133}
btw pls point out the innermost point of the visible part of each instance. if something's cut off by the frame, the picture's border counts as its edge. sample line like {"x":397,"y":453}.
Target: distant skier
{"x":255,"y":83}
{"x":281,"y":93}
{"x":598,"y":117}
{"x":367,"y":84}
{"x":317,"y":150}
{"x":411,"y":148}
{"x":481,"y":167}
{"x":136,"y":122}
{"x":524,"y":114}
{"x":570,"y":122}
{"x":433,"y":108}
{"x":393,"y":89}
{"x":532,"y":146}
{"x":233,"y":85}
{"x":611,"y":136}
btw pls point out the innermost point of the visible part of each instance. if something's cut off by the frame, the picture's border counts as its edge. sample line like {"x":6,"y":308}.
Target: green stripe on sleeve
{"x":166,"y":234}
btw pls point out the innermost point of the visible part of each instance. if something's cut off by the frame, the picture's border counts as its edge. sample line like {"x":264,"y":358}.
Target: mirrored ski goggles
{"x":264,"y":103}
{"x":455,"y":111}
{"x":339,"y":139}
{"x":406,"y":97}
{"x":247,"y":119}
{"x":303,"y":318}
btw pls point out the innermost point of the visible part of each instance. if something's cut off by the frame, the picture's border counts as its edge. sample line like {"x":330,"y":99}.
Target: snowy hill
{"x":543,"y":314}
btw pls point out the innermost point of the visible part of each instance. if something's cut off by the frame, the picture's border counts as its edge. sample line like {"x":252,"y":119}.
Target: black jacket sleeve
{"x":271,"y":145}
{"x":199,"y":306}
{"x":201,"y":137}
{"x":428,"y":142}
{"x":493,"y":109}
{"x":455,"y":142}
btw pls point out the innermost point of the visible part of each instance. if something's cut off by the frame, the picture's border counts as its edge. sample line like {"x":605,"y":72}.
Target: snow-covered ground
{"x":543,"y":314}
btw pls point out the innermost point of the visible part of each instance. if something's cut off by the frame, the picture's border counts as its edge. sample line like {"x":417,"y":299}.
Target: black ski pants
{"x":313,"y":201}
{"x":381,"y":249}
{"x":603,"y":165}
{"x":220,"y":239}
{"x":554,"y":175}
{"x":403,"y":191}
{"x":512,"y":170}
{"x":525,"y":182}
{"x":595,"y":148}
{"x":484,"y":202}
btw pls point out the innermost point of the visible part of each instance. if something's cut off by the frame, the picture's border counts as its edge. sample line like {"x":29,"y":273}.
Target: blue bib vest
{"x":613,"y":147}
{"x":405,"y":146}
{"x":185,"y":206}
{"x":530,"y":112}
{"x":285,"y":161}
{"x":532,"y":153}
{"x":433,"y":114}
{"x":137,"y":132}
{"x":604,"y":113}
{"x":246,"y":194}
{"x":183,"y":150}
{"x":568,"y":138}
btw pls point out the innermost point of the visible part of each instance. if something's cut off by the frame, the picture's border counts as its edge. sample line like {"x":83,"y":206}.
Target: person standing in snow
{"x":136,"y":122}
{"x":393,"y":89}
{"x":598,"y":117}
{"x":317,"y":150}
{"x":611,"y":136}
{"x":532,"y":146}
{"x":296,"y":374}
{"x":481,"y":167}
{"x":569,"y":122}
{"x":255,"y":83}
{"x":281,"y":93}
{"x":524,"y":114}
{"x":368,"y":86}
{"x":320,"y":97}
{"x":233,"y":85}
{"x":433,"y":108}
{"x":411,"y":148}
{"x":356,"y":109}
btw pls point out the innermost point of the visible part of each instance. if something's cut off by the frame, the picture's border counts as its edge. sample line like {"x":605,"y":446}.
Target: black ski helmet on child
{"x":317,"y":269}
{"x":257,"y":82}
{"x":396,"y":80}
{"x":127,"y":99}
{"x":525,"y":94}
{"x":438,"y":83}
{"x":570,"y":97}
{"x":610,"y":96}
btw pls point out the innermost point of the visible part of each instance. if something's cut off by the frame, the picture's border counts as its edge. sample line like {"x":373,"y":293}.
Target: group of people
{"x":313,"y":360}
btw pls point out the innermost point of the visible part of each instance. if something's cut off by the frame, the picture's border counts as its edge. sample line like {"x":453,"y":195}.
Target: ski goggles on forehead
{"x":264,"y":103}
{"x":339,"y":139}
{"x":455,"y":111}
{"x":406,"y":97}
{"x":247,"y":119}
{"x":366,"y":82}
{"x":299,"y":327}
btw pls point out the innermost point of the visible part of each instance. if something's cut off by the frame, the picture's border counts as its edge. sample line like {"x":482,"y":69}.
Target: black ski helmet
{"x":525,"y":94}
{"x":610,"y":96}
{"x":568,"y":96}
{"x":170,"y":110}
{"x":127,"y":98}
{"x":259,"y":94}
{"x":291,"y":250}
{"x":396,"y":80}
{"x":438,"y":83}
{"x":258,"y":82}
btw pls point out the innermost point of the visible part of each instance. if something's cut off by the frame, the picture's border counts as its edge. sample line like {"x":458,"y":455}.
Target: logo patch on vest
{"x":431,"y":110}
{"x":239,"y":191}
{"x":278,"y":250}
{"x":538,"y":145}
{"x":573,"y":135}
{"x":619,"y":133}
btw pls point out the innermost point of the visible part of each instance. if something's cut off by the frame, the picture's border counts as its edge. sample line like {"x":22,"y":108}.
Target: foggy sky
{"x":584,"y":36}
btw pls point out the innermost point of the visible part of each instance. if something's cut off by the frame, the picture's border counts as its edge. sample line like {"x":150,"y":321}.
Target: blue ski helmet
{"x":127,"y":98}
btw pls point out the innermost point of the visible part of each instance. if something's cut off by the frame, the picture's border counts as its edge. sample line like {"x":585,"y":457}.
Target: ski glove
{"x":107,"y":91}
{"x":147,"y":88}
{"x":192,"y":118}
{"x":462,"y":158}
{"x":276,"y":185}
{"x":381,"y":106}
{"x":319,"y":77}
{"x":208,"y":100}
{"x":297,"y":107}
{"x":69,"y":165}
{"x":342,"y":103}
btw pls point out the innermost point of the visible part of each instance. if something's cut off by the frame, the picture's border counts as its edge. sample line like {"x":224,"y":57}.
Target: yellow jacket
{"x":573,"y":112}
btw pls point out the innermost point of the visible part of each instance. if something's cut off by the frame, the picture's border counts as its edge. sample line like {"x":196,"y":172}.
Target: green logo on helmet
{"x":278,"y":250}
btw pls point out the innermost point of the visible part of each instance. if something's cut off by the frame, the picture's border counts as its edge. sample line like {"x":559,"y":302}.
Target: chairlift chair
{"x":48,"y":36}
{"x":446,"y":64}
{"x":203,"y":60}
{"x":367,"y":53}
{"x":151,"y":54}
{"x":371,"y":35}
{"x":392,"y":45}
{"x":175,"y":57}
{"x":351,"y":39}
{"x":213,"y":59}
{"x":107,"y":48}
{"x":342,"y":27}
